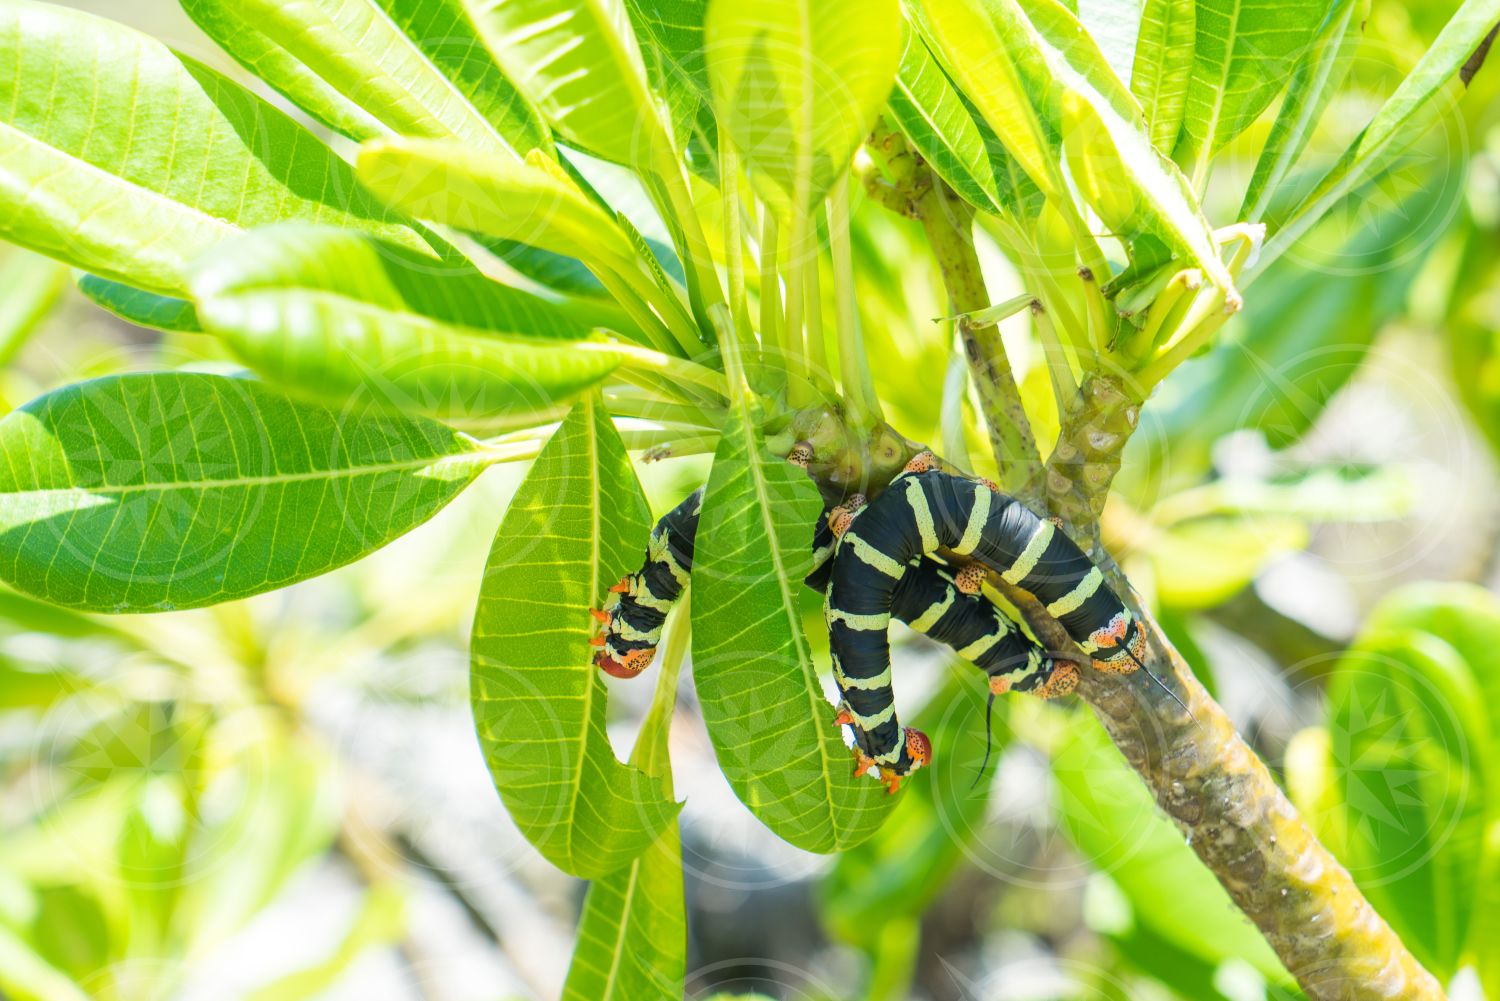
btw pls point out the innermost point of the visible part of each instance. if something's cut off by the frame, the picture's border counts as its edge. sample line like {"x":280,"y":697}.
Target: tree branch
{"x":910,"y":188}
{"x":1201,"y":772}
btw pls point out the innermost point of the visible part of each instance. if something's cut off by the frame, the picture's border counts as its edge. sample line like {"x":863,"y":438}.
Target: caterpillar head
{"x":625,"y":665}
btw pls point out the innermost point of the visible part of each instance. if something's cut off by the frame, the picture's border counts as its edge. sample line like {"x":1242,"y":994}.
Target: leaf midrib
{"x":788,"y":603}
{"x":345,"y":472}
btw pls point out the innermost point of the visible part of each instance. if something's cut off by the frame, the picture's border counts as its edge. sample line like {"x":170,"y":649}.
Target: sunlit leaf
{"x":134,"y":159}
{"x":1163,"y":63}
{"x":770,"y":723}
{"x":578,"y":60}
{"x":344,"y":316}
{"x":797,"y":85}
{"x":143,"y":493}
{"x":577,"y":524}
{"x":411,"y":67}
{"x":144,"y":309}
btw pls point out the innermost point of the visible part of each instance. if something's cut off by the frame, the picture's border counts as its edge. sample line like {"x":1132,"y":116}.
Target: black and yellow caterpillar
{"x":929,"y":598}
{"x":924,"y":512}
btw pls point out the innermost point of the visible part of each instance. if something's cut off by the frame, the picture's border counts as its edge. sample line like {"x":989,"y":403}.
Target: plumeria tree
{"x":593,"y":233}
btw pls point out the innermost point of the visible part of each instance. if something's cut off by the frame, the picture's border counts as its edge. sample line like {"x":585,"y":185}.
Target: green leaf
{"x":770,"y":723}
{"x":409,"y":67}
{"x":1112,"y":820}
{"x":932,"y":114}
{"x":32,"y":285}
{"x":134,"y":160}
{"x":671,"y":37}
{"x":1163,"y":64}
{"x":1115,"y":26}
{"x":1243,"y":56}
{"x":1319,"y":72}
{"x":1400,"y":120}
{"x":141,"y":493}
{"x":1411,"y":753}
{"x":344,"y":316}
{"x":499,"y":198}
{"x":632,"y":936}
{"x":797,"y":85}
{"x":144,"y":309}
{"x":578,"y":522}
{"x":579,"y":63}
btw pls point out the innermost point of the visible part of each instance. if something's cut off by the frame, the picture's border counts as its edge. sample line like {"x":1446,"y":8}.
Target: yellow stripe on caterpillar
{"x":861,"y":623}
{"x":881,"y":680}
{"x":935,"y":611}
{"x":1035,"y":547}
{"x":979,"y":515}
{"x":981,"y":645}
{"x":871,"y":722}
{"x":1082,"y":592}
{"x":920,"y":510}
{"x":873,"y":557}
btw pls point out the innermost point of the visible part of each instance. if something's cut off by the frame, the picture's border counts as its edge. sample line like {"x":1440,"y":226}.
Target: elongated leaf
{"x":987,"y":50}
{"x":932,"y":114}
{"x":29,"y":288}
{"x":1319,"y":72}
{"x":411,"y":67}
{"x":632,"y":936}
{"x":1399,"y":121}
{"x":1242,"y":58}
{"x":142,"y":493}
{"x":144,"y":309}
{"x":770,"y":723}
{"x":496,"y":197}
{"x":1163,"y":64}
{"x":1115,"y":26}
{"x":797,"y":84}
{"x":341,"y":315}
{"x":134,"y":160}
{"x":579,"y":62}
{"x":1410,"y":745}
{"x":671,"y":38}
{"x":576,"y":525}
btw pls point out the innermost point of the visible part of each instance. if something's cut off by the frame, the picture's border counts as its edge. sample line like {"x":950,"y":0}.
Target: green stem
{"x":644,"y":359}
{"x":859,"y":388}
{"x":635,"y":307}
{"x":770,"y":291}
{"x":696,"y":254}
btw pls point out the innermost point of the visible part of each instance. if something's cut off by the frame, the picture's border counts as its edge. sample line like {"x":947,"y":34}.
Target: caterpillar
{"x":638,"y":605}
{"x":923,"y":512}
{"x":929,"y":598}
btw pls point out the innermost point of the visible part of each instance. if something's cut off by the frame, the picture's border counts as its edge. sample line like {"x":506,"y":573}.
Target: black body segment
{"x":920,"y":514}
{"x":640,"y":602}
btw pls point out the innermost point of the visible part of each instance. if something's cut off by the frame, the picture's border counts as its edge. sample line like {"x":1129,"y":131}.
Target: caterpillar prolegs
{"x":925,"y":511}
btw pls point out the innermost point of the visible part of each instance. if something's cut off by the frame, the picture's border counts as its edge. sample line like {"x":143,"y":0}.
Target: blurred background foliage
{"x":281,"y":798}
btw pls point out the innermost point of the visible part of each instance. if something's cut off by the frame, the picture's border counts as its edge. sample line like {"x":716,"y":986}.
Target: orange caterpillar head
{"x":627,"y":665}
{"x":918,"y":748}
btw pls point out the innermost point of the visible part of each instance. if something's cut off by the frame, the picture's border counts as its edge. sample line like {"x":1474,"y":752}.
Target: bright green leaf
{"x":770,"y":723}
{"x":500,"y":198}
{"x":1319,"y":72}
{"x":937,"y":121}
{"x":144,"y":309}
{"x":797,"y":85}
{"x":632,"y":935}
{"x":411,"y":67}
{"x":134,"y":160}
{"x":578,"y":522}
{"x":1400,"y":120}
{"x":141,"y":493}
{"x":1163,"y":63}
{"x":342,"y":315}
{"x":1243,"y":56}
{"x":1411,"y":749}
{"x":578,"y":61}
